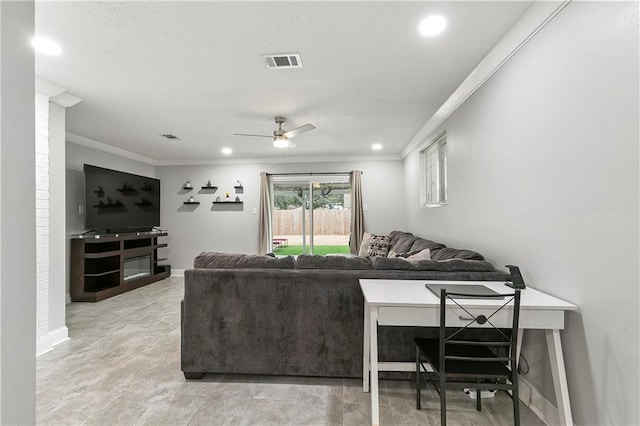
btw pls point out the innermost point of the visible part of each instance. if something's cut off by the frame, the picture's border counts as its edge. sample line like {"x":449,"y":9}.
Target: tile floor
{"x":122,"y":367}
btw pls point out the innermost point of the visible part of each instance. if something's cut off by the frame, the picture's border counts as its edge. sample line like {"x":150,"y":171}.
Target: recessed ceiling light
{"x":376,"y":146}
{"x":432,"y":25}
{"x":45,"y":45}
{"x":226,"y":151}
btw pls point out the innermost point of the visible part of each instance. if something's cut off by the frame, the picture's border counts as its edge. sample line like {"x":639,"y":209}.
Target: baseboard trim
{"x":53,"y":338}
{"x":43,"y":346}
{"x":538,"y":403}
{"x":59,"y":335}
{"x":177,"y":272}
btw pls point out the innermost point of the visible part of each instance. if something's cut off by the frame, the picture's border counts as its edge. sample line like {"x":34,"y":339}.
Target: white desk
{"x":409,"y":303}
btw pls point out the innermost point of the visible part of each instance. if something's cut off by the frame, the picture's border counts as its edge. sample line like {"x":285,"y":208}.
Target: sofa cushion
{"x":378,"y":246}
{"x":418,"y":244}
{"x":241,"y":261}
{"x":451,"y":253}
{"x":332,"y":262}
{"x":452,"y":265}
{"x":400,"y":242}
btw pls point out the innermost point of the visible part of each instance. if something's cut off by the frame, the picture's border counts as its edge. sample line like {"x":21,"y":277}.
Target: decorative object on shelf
{"x":237,"y":199}
{"x":143,"y":202}
{"x":191,"y":200}
{"x":209,"y":186}
{"x":109,"y":203}
{"x":100,"y":190}
{"x":125,"y":188}
{"x":147,"y":187}
{"x":218,"y":199}
{"x":226,"y":196}
{"x":187,"y":185}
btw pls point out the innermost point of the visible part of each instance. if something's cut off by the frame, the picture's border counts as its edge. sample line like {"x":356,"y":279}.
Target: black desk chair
{"x":486,"y":361}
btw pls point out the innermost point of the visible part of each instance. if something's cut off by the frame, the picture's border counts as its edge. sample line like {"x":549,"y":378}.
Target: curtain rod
{"x":309,"y":174}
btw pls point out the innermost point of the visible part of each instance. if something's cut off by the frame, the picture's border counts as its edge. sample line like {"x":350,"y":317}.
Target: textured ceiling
{"x":194,"y":69}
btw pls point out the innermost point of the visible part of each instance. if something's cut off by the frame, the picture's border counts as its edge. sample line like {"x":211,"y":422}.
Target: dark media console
{"x":109,"y":264}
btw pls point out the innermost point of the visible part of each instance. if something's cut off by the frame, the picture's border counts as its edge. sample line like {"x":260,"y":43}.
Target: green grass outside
{"x":294,"y":250}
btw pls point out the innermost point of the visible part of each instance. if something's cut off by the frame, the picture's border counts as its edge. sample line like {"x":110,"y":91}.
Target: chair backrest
{"x":458,"y":317}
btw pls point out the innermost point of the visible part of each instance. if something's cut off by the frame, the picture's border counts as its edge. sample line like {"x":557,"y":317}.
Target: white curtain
{"x":264,"y":218}
{"x":357,"y":212}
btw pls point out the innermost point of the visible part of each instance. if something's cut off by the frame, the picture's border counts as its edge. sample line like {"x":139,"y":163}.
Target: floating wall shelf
{"x":227,"y":202}
{"x":192,"y":202}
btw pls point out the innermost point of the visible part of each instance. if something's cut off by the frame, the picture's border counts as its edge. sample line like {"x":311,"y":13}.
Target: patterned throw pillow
{"x":378,"y":246}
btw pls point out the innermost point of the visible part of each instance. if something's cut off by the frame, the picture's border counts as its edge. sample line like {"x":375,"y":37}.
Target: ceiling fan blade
{"x":248,"y":134}
{"x":299,"y":130}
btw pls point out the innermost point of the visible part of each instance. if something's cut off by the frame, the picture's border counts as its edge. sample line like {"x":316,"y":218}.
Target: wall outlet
{"x":254,"y":211}
{"x":80,"y":209}
{"x":365,"y":207}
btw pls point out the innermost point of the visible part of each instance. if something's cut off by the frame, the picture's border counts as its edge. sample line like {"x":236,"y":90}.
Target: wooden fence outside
{"x":325,"y":222}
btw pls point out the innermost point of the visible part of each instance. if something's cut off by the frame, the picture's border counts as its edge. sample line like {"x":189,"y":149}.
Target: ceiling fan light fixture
{"x":280,"y":142}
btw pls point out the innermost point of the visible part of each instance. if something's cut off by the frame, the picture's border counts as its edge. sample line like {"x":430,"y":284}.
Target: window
{"x":434,"y":160}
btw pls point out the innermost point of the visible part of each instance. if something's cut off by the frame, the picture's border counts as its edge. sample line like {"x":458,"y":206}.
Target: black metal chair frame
{"x":479,"y":364}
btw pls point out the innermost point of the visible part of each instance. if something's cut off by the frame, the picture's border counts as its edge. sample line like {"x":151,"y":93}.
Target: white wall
{"x":543,"y":173}
{"x":192,"y":231}
{"x":17,"y":215}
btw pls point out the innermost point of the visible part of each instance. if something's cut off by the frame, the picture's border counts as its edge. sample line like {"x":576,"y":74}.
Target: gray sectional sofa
{"x":285,"y":316}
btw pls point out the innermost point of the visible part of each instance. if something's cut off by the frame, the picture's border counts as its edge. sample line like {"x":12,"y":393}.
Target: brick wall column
{"x":43,"y":341}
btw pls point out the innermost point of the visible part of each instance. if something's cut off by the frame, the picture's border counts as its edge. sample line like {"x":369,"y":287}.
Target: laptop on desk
{"x":468,"y":289}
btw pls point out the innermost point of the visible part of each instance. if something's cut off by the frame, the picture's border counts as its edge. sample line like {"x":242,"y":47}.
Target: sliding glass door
{"x":311,"y":214}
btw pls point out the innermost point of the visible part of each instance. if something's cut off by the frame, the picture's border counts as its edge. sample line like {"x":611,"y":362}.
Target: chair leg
{"x":516,"y":402}
{"x":478,"y":400}
{"x":443,"y":401}
{"x":418,"y":399}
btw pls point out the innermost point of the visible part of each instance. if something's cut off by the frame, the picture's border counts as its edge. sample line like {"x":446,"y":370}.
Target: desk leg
{"x":519,"y":345}
{"x":559,"y":376}
{"x":365,"y":350}
{"x":373,"y":324}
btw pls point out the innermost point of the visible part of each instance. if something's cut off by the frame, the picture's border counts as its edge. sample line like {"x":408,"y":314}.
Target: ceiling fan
{"x":280,"y":136}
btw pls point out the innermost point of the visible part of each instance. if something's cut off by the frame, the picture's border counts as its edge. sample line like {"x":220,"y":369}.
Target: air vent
{"x":170,"y":136}
{"x":284,"y":60}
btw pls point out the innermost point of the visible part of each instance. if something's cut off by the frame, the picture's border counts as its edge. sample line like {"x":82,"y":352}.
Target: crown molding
{"x":56,"y":93}
{"x":278,"y":160}
{"x":101,"y":146}
{"x":537,"y":16}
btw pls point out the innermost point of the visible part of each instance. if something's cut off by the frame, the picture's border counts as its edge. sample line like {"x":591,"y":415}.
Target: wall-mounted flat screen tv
{"x":119,"y":202}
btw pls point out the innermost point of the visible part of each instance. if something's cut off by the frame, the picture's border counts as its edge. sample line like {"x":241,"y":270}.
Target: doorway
{"x":311,"y":214}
